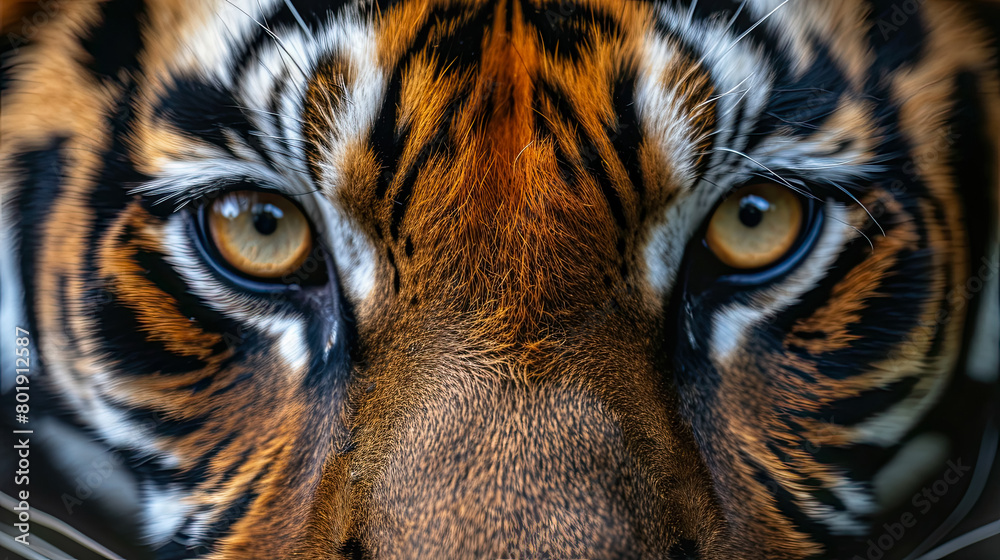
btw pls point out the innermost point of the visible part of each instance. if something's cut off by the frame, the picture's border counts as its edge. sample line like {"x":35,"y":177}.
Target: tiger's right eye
{"x":263,"y":235}
{"x":755,"y":226}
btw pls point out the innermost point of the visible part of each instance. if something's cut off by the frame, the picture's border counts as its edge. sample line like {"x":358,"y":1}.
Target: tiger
{"x":393,"y":279}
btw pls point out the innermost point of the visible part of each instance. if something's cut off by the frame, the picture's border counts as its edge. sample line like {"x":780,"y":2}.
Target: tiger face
{"x":512,"y":278}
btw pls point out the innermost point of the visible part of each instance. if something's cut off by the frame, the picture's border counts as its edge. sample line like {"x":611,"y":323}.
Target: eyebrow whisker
{"x":276,"y":39}
{"x":854,"y":198}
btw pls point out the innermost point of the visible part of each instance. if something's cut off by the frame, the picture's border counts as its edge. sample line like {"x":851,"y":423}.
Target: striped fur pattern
{"x":520,"y":347}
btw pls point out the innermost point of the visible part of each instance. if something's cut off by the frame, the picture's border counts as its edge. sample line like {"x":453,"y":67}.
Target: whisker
{"x":737,"y":41}
{"x":276,"y":39}
{"x":780,"y":179}
{"x":304,"y":193}
{"x":261,"y":134}
{"x":29,"y":552}
{"x":60,"y":527}
{"x":858,"y":231}
{"x":262,"y":15}
{"x":855,"y":199}
{"x":963,"y":541}
{"x":232,"y":37}
{"x":739,"y":11}
{"x":738,"y":101}
{"x":298,"y":18}
{"x":721,"y":95}
{"x":521,"y":152}
{"x":754,"y":26}
{"x":691,"y":10}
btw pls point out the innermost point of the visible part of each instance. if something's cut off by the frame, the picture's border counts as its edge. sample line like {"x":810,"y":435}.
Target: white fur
{"x":12,"y":313}
{"x":165,"y":511}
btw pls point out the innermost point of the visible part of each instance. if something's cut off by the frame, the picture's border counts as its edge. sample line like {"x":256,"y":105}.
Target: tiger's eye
{"x":260,"y":234}
{"x":755,"y":226}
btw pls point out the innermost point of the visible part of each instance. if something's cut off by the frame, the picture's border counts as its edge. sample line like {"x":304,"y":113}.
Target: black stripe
{"x":113,"y":45}
{"x":897,"y":35}
{"x":179,"y":548}
{"x":146,"y":467}
{"x":785,"y":501}
{"x":566,"y":170}
{"x":204,"y":111}
{"x":817,"y":490}
{"x":314,"y":13}
{"x":560,"y":102}
{"x":567,"y":28}
{"x":625,"y":133}
{"x":386,"y":144}
{"x":120,"y":335}
{"x":720,"y":11}
{"x":166,"y":279}
{"x":39,"y":176}
{"x":395,"y":270}
{"x":459,"y":50}
{"x":988,"y":15}
{"x":166,"y":427}
{"x":865,"y":460}
{"x":279,"y":89}
{"x":197,"y":474}
{"x":603,"y":178}
{"x":822,"y":494}
{"x":116,"y":175}
{"x":851,"y":411}
{"x":401,"y":200}
{"x":440,"y":143}
{"x":590,"y":156}
{"x":884,"y":323}
{"x":973,"y":157}
{"x":802,"y":104}
{"x":8,"y":68}
{"x":239,"y":380}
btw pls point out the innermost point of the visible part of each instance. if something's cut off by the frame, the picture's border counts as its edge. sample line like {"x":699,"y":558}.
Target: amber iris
{"x":755,"y":226}
{"x":260,"y":234}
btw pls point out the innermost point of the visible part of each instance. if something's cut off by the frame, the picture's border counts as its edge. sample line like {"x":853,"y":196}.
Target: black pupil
{"x":752,"y":208}
{"x":264,"y":219}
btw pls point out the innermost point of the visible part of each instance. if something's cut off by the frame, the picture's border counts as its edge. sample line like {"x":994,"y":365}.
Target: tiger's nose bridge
{"x":508,"y":464}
